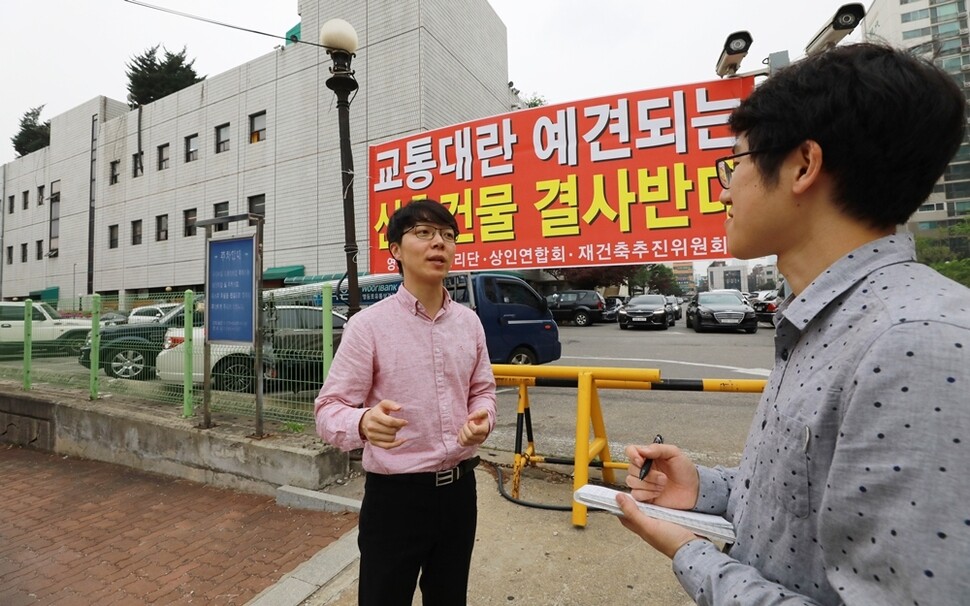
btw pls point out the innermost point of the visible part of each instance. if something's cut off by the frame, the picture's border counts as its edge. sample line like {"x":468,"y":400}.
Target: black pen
{"x":658,"y":439}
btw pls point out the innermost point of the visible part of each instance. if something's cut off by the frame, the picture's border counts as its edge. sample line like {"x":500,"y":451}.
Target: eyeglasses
{"x":725,"y":165}
{"x":427,"y":232}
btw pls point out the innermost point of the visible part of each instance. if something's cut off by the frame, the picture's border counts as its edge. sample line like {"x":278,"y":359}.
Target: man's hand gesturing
{"x":475,"y":429}
{"x":378,"y":427}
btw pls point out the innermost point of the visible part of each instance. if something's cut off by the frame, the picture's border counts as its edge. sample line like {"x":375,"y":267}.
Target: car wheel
{"x":664,"y":326}
{"x":234,"y":373}
{"x":623,"y":326}
{"x":581,"y":318}
{"x":127,"y":364}
{"x":751,"y":330}
{"x":697,"y":326}
{"x":672,"y":321}
{"x":522,"y":355}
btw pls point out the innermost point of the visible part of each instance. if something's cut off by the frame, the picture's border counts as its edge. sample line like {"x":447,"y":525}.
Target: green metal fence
{"x":162,"y":358}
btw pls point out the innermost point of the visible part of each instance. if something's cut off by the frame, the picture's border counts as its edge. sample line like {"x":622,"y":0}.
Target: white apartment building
{"x":109,"y":206}
{"x":936,"y":29}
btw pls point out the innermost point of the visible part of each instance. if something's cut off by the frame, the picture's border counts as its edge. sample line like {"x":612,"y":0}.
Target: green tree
{"x":33,"y":134}
{"x":589,"y":278}
{"x":932,"y":251}
{"x":151,"y":78}
{"x":535,"y":100}
{"x":958,"y":271}
{"x":660,"y":279}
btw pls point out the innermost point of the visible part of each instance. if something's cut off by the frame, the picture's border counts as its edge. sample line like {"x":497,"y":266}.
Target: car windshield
{"x":648,"y":300}
{"x":51,"y":311}
{"x":718,"y":298}
{"x":171,"y":312}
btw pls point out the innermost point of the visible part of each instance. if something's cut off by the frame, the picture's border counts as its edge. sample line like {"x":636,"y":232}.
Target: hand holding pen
{"x":645,"y":469}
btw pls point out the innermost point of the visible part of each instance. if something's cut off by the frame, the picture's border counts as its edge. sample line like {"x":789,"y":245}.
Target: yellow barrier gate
{"x":589,"y":452}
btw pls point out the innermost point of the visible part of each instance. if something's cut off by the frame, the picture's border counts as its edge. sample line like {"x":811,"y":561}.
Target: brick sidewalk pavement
{"x":77,"y":532}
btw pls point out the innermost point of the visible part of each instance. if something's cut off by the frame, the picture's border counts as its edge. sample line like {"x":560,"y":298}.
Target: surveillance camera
{"x":735,"y":49}
{"x":845,"y":20}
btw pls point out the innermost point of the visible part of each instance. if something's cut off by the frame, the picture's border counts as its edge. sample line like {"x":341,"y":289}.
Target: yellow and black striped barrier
{"x":588,"y":452}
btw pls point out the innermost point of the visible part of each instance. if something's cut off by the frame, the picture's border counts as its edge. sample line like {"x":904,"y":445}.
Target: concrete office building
{"x":109,"y":206}
{"x":936,"y":29}
{"x":727,"y":276}
{"x":684,"y":275}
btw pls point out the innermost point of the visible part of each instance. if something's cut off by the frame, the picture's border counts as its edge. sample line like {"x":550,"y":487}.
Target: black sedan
{"x":721,"y":310}
{"x":646,"y":310}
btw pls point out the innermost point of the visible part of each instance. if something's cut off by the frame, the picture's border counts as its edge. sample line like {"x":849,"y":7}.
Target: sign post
{"x":234,"y":280}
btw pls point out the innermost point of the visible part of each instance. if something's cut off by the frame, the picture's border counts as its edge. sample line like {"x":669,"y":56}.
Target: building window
{"x":192,"y":148}
{"x":915,"y":15}
{"x":112,"y":236}
{"x":188,"y":219}
{"x":163,"y":157}
{"x":161,"y":228}
{"x":137,"y":168}
{"x":114,"y":174}
{"x":40,"y":195}
{"x":10,"y":255}
{"x":222,"y":138}
{"x":257,"y":127}
{"x":10,"y":203}
{"x":257,"y":206}
{"x":26,"y":199}
{"x":53,"y":242}
{"x":23,"y":252}
{"x":221,"y":210}
{"x":40,"y":249}
{"x":136,"y":232}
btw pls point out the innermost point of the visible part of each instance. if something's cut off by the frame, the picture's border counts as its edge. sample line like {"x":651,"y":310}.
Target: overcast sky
{"x":61,"y":53}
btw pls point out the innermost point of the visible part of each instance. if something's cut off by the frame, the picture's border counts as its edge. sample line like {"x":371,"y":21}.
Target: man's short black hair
{"x":418,"y":211}
{"x":887,"y":122}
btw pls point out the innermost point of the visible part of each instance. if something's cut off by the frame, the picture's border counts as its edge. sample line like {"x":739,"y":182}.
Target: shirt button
{"x":784,"y":355}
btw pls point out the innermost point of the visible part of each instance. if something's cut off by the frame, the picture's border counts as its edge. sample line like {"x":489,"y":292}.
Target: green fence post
{"x":187,"y":369}
{"x":28,"y":340}
{"x":95,"y":346}
{"x":327,"y":328}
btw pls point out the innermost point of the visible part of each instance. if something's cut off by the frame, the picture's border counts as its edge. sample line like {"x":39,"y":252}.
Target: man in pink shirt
{"x":412,"y":385}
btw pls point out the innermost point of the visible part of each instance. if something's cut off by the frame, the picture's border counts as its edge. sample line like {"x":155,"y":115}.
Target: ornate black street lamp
{"x":341,"y":41}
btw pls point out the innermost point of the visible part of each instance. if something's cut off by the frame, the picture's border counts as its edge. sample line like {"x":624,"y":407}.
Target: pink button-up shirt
{"x":437,"y":370}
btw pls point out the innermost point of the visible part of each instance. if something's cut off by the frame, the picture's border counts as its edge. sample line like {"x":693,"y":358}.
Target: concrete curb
{"x":301,"y":498}
{"x":313,"y":574}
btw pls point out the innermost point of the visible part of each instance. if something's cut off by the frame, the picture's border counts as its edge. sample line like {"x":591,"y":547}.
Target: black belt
{"x":435,"y":478}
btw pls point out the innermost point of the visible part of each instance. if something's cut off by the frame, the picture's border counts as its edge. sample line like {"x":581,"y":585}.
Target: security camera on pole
{"x":736,"y":47}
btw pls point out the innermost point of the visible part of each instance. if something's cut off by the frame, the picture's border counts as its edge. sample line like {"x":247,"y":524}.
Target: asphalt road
{"x":711,"y":426}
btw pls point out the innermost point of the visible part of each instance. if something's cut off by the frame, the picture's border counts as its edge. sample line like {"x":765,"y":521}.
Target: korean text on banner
{"x":625,"y":179}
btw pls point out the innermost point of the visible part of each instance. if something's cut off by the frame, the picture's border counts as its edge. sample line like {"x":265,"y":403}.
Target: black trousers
{"x":407,"y":529}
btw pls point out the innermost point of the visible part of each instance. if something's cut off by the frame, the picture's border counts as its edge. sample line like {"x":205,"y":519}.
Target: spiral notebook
{"x":710,"y":526}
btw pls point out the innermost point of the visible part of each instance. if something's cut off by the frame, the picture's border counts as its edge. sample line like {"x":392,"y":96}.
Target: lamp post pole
{"x":74,"y":287}
{"x":341,"y":42}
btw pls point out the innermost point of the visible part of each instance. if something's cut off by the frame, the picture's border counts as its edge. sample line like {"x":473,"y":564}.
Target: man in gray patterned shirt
{"x":853,"y":487}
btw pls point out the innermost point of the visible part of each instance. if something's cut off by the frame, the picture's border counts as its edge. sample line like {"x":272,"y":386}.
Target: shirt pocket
{"x":789,"y":467}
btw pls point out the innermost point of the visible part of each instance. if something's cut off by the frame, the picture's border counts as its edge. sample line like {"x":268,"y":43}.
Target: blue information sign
{"x":231,"y":291}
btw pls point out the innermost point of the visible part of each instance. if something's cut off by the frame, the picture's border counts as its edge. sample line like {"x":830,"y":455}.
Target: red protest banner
{"x":616,"y":180}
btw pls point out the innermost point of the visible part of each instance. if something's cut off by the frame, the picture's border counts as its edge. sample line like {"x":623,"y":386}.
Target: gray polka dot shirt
{"x":854,"y":484}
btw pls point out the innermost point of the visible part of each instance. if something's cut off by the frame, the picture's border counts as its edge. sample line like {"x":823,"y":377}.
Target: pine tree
{"x":151,"y":78}
{"x":32,"y":135}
